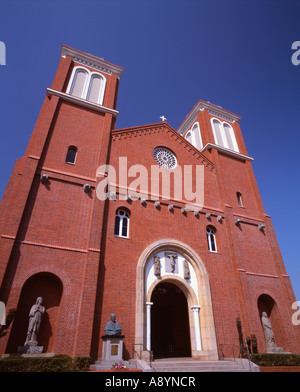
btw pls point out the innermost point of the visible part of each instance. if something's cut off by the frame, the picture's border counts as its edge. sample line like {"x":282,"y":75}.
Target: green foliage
{"x":82,"y":363}
{"x":276,"y":359}
{"x":58,"y":363}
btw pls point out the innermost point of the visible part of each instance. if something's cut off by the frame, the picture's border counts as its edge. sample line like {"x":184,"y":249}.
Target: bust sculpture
{"x":35,"y":319}
{"x":113,"y":328}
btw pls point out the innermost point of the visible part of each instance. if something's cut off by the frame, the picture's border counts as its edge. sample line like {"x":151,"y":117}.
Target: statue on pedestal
{"x":35,"y":319}
{"x":269,"y":335}
{"x":113,"y":328}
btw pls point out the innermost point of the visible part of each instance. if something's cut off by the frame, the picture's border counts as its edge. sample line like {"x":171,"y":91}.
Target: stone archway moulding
{"x":199,"y":300}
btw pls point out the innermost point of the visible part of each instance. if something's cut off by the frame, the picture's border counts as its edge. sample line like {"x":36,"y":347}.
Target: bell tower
{"x":254,"y":251}
{"x":51,"y":220}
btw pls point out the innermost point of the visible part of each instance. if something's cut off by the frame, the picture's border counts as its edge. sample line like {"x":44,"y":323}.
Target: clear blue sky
{"x":234,"y":53}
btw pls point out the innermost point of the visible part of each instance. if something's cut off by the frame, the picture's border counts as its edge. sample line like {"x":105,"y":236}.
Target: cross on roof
{"x":163,"y":118}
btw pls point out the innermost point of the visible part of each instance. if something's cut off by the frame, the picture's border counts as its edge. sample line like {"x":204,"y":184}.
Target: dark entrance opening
{"x":170,"y":332}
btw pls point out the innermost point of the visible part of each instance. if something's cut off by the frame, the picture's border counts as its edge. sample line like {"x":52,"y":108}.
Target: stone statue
{"x":186,"y":268}
{"x":269,"y":335}
{"x":156,"y":266}
{"x":113,"y":327}
{"x":35,"y":318}
{"x":172,"y":262}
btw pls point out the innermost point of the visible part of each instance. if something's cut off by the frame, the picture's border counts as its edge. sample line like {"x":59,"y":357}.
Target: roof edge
{"x":91,"y":60}
{"x":212,"y":109}
{"x":149,"y":127}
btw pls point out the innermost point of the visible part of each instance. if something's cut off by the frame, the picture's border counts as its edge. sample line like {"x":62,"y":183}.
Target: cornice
{"x":92,"y":61}
{"x":226,"y":151}
{"x":82,"y":102}
{"x":212,"y":109}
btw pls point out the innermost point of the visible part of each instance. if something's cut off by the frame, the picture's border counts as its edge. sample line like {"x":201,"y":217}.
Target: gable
{"x":132,"y":151}
{"x":160,"y":130}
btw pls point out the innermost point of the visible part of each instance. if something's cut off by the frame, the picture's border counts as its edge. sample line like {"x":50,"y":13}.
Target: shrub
{"x":58,"y":363}
{"x":276,"y":359}
{"x":82,"y":364}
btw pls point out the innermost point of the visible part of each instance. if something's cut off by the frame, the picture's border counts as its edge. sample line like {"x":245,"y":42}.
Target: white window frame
{"x":121,"y":217}
{"x":223,"y":135}
{"x":211,"y":231}
{"x":195,"y":128}
{"x":87,"y":85}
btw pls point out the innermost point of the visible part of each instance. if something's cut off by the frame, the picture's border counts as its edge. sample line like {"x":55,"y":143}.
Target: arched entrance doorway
{"x":170,"y":261}
{"x":170,"y":331}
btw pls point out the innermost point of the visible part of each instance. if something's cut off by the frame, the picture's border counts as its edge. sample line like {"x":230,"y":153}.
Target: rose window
{"x":165,"y":157}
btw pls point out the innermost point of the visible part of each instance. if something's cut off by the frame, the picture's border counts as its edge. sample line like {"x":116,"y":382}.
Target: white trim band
{"x":82,"y":102}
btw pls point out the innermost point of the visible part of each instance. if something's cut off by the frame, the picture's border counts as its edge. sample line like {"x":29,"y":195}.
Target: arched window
{"x":239,"y":199}
{"x":224,"y":135}
{"x":122,"y":223}
{"x":79,"y":83}
{"x":95,"y":93}
{"x":71,"y":154}
{"x":211,"y":239}
{"x":228,"y":136}
{"x":217,"y":130}
{"x":87,"y":85}
{"x":194,"y":136}
{"x":189,"y":137}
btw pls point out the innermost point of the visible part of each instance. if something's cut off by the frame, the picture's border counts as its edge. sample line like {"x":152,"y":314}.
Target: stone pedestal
{"x":30,"y":349}
{"x":272,"y":348}
{"x":112,"y":349}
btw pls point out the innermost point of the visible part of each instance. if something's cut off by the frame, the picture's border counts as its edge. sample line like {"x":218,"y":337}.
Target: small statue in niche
{"x":35,"y":319}
{"x":269,"y":335}
{"x":172,"y":262}
{"x":156,"y":266}
{"x":113,"y":327}
{"x":186,"y":268}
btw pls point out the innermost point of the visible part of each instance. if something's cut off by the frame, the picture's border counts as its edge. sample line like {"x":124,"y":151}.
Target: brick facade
{"x":57,"y":241}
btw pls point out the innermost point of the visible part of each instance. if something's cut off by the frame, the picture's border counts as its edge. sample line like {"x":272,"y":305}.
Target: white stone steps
{"x":189,"y":365}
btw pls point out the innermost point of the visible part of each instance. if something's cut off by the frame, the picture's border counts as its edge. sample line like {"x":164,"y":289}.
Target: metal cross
{"x":163,"y":118}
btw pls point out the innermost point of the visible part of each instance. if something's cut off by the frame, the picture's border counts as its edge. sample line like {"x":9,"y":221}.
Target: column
{"x":196,"y":310}
{"x":148,"y":306}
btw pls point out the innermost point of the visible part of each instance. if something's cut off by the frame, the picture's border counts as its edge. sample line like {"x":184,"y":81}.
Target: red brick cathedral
{"x":85,"y":226}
